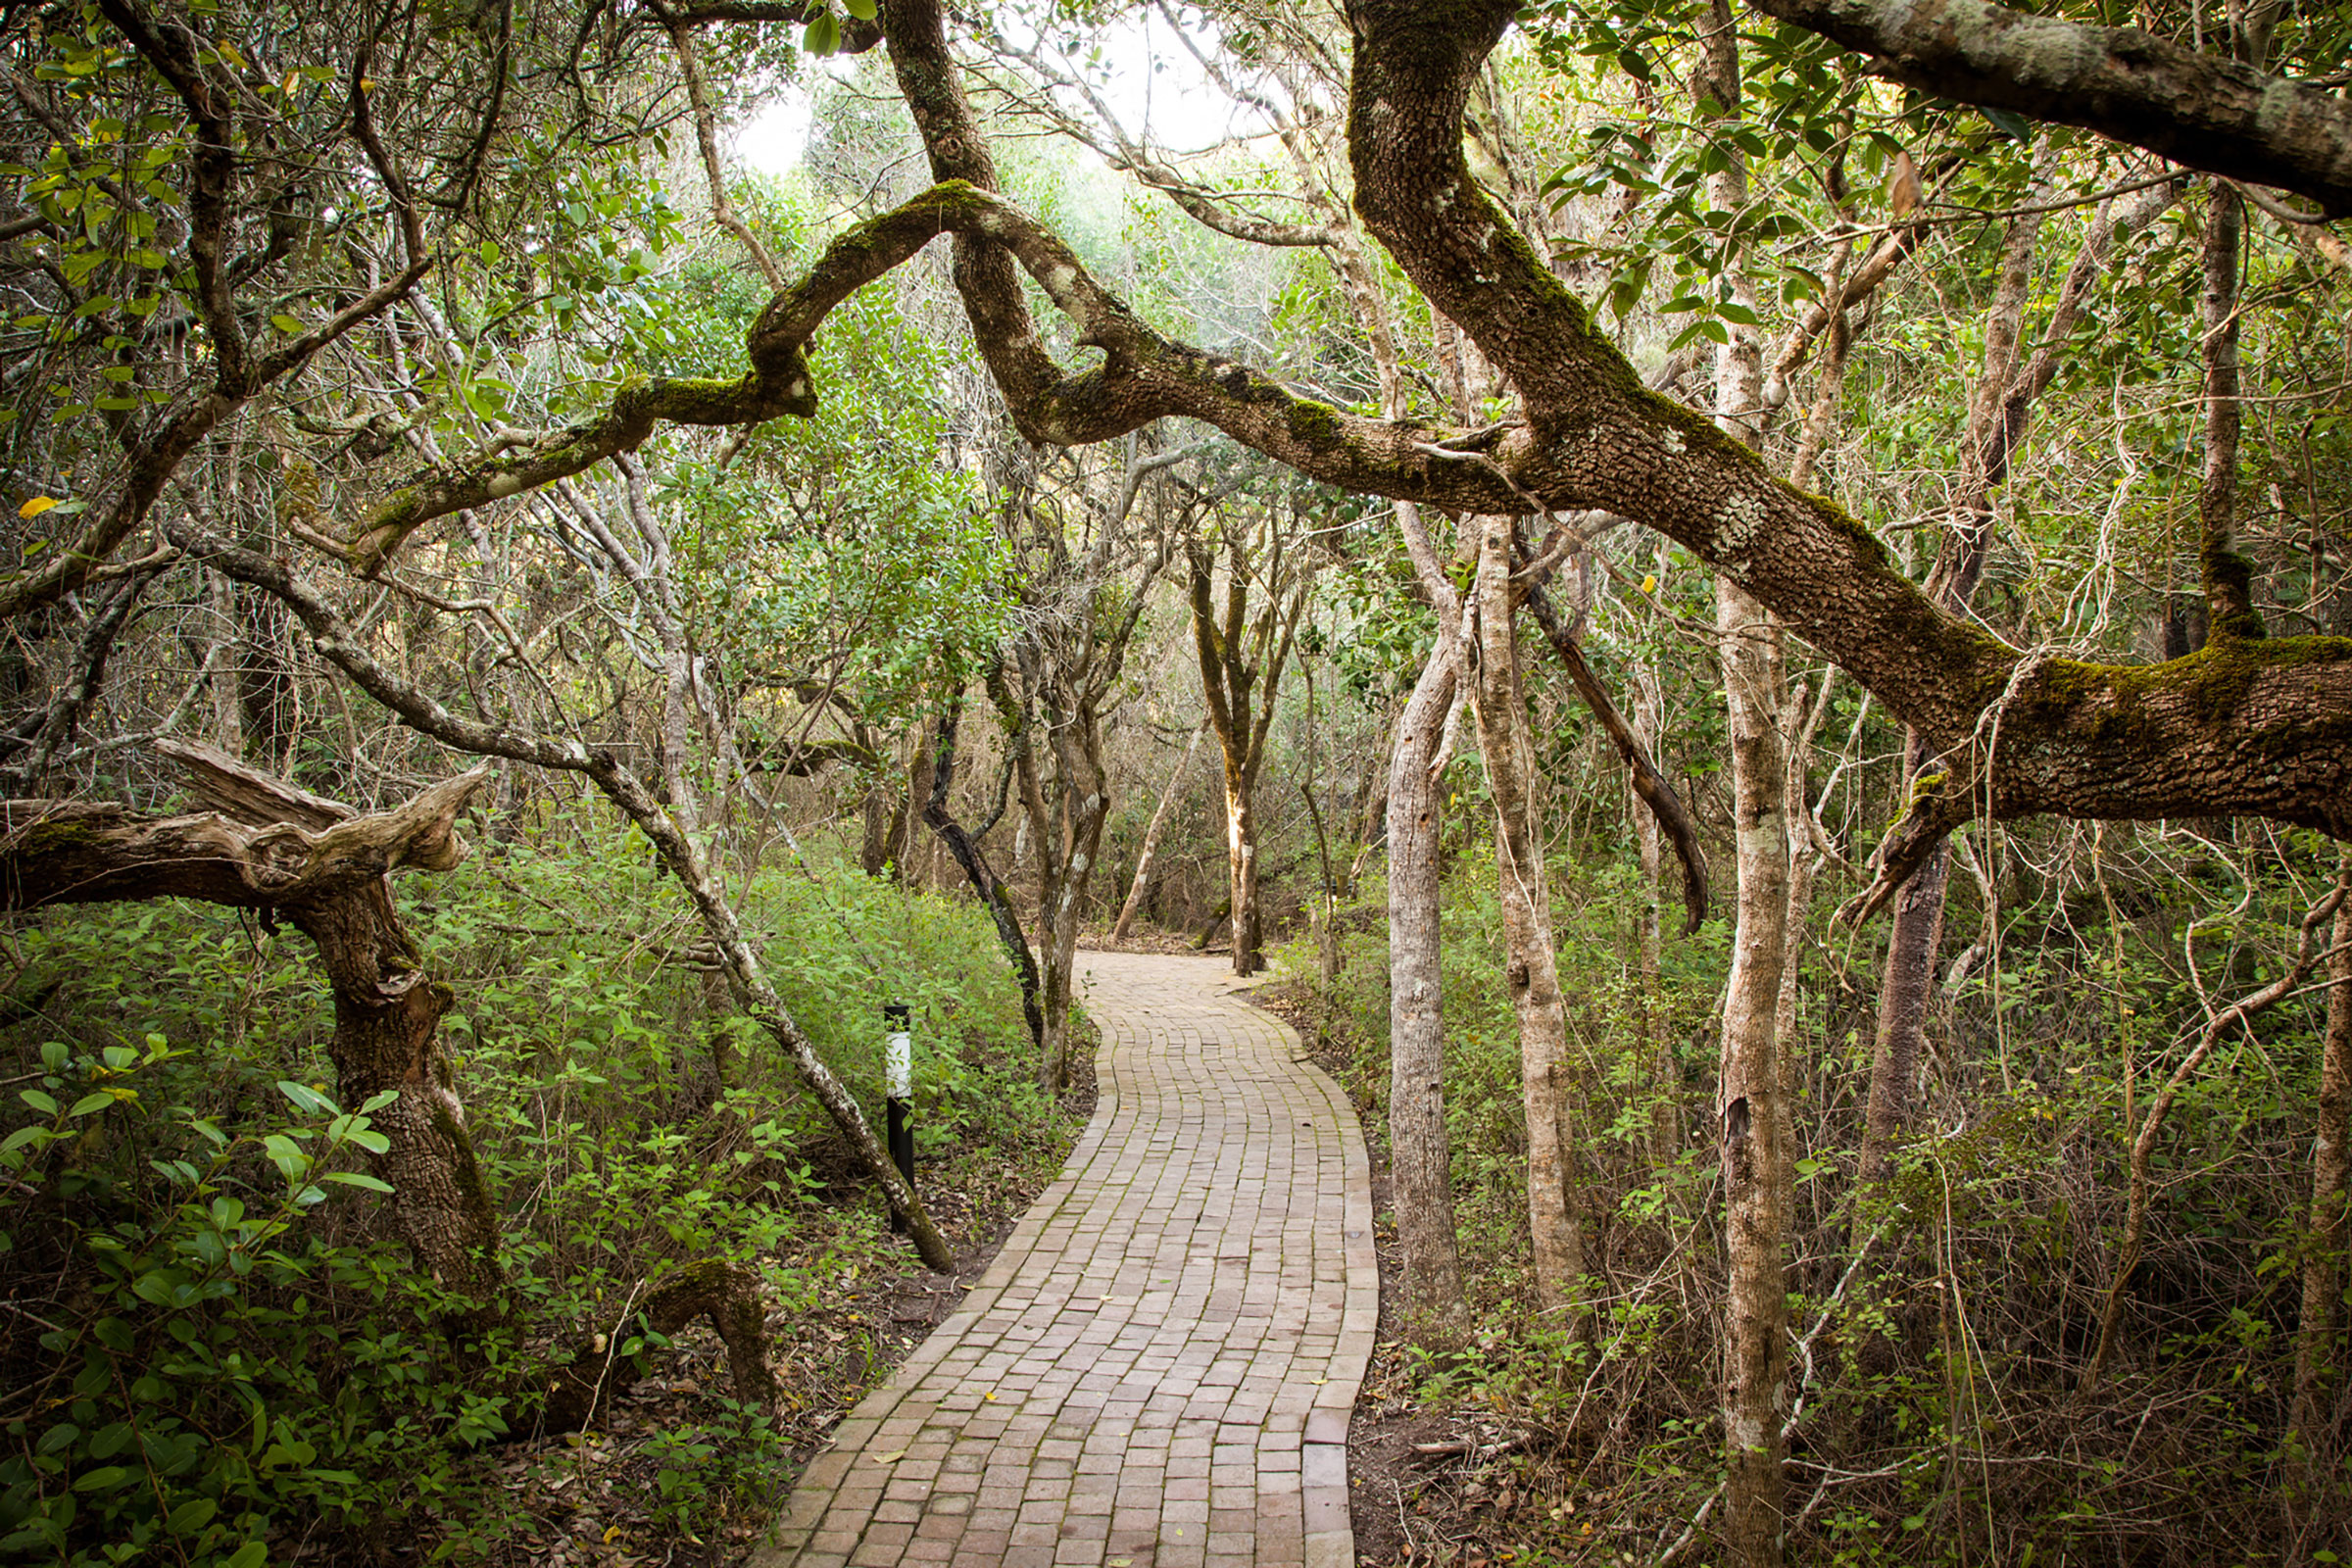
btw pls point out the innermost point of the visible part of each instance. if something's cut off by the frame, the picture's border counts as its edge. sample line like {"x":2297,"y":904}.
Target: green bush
{"x":213,"y":1350}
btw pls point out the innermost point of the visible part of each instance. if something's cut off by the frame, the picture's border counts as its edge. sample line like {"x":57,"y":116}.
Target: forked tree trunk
{"x":1151,"y":836}
{"x":1531,"y":969}
{"x":263,"y":843}
{"x":1420,"y":1163}
{"x":1242,"y":658}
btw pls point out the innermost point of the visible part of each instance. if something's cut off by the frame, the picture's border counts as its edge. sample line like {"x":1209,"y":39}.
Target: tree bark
{"x":2228,"y":576}
{"x":1419,"y":1158}
{"x":262,"y":843}
{"x":992,"y":892}
{"x":1753,"y":1118}
{"x":1756,"y":1116}
{"x":2201,"y":110}
{"x":2318,"y":1359}
{"x":1531,"y":969}
{"x":1152,"y":835}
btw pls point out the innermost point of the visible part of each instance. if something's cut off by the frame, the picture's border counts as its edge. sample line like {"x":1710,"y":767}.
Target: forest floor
{"x":1431,"y":1480}
{"x":608,"y":1497}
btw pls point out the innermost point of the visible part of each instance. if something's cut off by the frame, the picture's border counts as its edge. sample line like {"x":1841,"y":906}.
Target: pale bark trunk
{"x":1419,"y":1161}
{"x":2319,"y":1365}
{"x":1241,"y":869}
{"x":1755,"y":1391}
{"x":1151,"y":836}
{"x":1531,"y":967}
{"x":1084,"y":803}
{"x":1754,"y":1120}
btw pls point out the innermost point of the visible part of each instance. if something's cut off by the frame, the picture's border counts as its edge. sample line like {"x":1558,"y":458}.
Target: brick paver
{"x":1158,"y":1370}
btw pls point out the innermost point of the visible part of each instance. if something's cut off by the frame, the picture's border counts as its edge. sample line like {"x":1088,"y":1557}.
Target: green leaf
{"x":2016,"y":126}
{"x":102,"y":1479}
{"x":359,"y":1179}
{"x":305,"y":1097}
{"x":252,"y":1554}
{"x":39,"y":1101}
{"x":823,"y":35}
{"x":95,"y":1099}
{"x":284,"y":1154}
{"x":193,"y":1514}
{"x":287,"y":325}
{"x":863,"y":10}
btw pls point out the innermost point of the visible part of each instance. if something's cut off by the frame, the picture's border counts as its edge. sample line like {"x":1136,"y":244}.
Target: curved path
{"x":1159,"y":1369}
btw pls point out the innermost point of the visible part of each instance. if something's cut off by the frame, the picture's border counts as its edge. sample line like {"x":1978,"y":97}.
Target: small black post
{"x":898,"y":1057}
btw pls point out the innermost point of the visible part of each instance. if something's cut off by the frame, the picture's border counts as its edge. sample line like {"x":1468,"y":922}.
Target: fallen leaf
{"x":892,"y":1457}
{"x":36,"y":505}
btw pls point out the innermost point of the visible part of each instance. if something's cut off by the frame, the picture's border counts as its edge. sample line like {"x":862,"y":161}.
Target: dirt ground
{"x":1426,"y":1485}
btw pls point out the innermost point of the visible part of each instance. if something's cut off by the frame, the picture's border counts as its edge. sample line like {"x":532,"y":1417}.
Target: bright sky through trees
{"x":1154,"y":85}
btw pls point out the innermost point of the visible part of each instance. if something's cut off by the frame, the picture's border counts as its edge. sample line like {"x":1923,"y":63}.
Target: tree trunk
{"x":1755,"y":1394}
{"x":1241,"y":869}
{"x":1755,"y":1385}
{"x":1151,"y":836}
{"x":1420,"y":1163}
{"x":261,"y":843}
{"x":1084,"y":804}
{"x":2319,"y":1365}
{"x":1531,"y":969}
{"x":1242,"y":658}
{"x":1912,"y":937}
{"x":388,"y":1037}
{"x":992,"y":892}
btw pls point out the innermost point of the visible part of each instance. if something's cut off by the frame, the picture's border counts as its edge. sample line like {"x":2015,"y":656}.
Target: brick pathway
{"x":1157,"y":1371}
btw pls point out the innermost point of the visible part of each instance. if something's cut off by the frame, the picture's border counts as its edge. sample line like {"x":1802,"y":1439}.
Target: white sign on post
{"x":899,"y":1055}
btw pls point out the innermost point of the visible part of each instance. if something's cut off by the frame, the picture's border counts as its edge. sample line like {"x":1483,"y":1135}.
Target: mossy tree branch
{"x":2204,"y":110}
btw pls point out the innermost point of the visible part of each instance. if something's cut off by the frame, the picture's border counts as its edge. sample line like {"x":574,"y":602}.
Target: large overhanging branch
{"x":1146,"y":377}
{"x":2262,"y":729}
{"x":2203,"y":111}
{"x":79,"y":852}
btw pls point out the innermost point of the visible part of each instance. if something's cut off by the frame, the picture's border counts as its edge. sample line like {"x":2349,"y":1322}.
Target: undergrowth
{"x":211,"y":1357}
{"x":1948,"y":1412}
